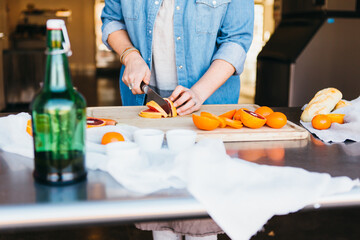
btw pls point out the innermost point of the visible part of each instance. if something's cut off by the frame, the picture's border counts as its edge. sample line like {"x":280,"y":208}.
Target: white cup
{"x":122,"y":150}
{"x":180,"y":139}
{"x":149,"y":139}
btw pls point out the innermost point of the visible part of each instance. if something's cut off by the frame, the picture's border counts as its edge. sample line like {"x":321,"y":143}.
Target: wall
{"x":80,"y":27}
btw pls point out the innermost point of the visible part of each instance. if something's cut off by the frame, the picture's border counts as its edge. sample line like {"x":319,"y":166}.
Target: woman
{"x":191,"y":51}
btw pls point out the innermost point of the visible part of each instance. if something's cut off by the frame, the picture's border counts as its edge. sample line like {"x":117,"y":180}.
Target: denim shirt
{"x":204,"y":30}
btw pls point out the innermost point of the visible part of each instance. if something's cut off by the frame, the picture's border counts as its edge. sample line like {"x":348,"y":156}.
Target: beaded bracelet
{"x":126,"y":52}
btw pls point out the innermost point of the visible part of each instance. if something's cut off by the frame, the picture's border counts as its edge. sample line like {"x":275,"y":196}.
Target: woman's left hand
{"x":186,"y":100}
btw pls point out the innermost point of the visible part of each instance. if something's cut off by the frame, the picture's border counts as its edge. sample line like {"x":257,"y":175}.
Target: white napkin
{"x":350,"y":130}
{"x":240,"y":196}
{"x":13,"y":135}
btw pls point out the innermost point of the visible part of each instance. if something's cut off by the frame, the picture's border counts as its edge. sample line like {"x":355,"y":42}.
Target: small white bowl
{"x":122,"y":150}
{"x":180,"y":139}
{"x":149,"y":139}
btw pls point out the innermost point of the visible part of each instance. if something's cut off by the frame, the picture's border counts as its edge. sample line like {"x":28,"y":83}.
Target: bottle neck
{"x":57,"y":76}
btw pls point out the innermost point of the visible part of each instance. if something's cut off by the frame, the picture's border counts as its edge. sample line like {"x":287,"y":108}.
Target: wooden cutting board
{"x":129,"y":115}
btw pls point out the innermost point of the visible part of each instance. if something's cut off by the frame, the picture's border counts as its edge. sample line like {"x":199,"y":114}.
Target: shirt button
{"x":177,"y":7}
{"x":149,"y":31}
{"x":156,"y":2}
{"x":178,"y":38}
{"x":180,"y":67}
{"x":149,"y":59}
{"x":214,"y":2}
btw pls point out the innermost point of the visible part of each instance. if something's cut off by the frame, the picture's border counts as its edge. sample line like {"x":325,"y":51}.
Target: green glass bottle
{"x":58,"y":116}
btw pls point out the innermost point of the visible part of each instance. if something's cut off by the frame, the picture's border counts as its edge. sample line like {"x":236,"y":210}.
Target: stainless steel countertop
{"x":100,"y":199}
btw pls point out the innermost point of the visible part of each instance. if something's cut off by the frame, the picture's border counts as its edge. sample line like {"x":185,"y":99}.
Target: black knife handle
{"x":144,"y":87}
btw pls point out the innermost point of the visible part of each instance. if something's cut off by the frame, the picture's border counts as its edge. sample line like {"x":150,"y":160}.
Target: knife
{"x":152,"y":95}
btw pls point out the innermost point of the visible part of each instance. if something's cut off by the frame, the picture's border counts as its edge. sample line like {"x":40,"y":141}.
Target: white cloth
{"x":350,"y":130}
{"x":163,"y":70}
{"x":240,"y":196}
{"x":13,"y":135}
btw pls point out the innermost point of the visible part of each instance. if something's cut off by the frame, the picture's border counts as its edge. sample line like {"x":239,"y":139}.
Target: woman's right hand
{"x":136,"y":71}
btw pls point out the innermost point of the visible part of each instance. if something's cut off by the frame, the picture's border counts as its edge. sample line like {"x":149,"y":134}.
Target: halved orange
{"x":222,"y":123}
{"x":251,"y":119}
{"x":233,"y":123}
{"x":336,"y":117}
{"x":229,"y":114}
{"x":94,"y":122}
{"x":205,"y":123}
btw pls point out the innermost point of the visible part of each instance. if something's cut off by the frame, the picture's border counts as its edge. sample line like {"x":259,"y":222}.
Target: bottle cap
{"x":55,"y":24}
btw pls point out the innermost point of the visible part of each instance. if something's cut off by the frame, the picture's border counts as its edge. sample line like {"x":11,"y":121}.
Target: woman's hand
{"x":136,"y":71}
{"x":186,"y":100}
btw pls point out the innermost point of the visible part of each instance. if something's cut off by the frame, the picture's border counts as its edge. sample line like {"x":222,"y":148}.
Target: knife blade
{"x":153,"y":96}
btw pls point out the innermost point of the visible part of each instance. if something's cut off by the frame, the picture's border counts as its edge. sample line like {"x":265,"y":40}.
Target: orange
{"x":251,"y":119}
{"x":222,"y":123}
{"x":29,"y":127}
{"x":112,"y":137}
{"x":264,"y":111}
{"x":321,"y":122}
{"x":335,"y":117}
{"x":229,"y":114}
{"x":233,"y":123}
{"x":276,"y":120}
{"x":237,"y":114}
{"x":94,"y":122}
{"x":205,"y":123}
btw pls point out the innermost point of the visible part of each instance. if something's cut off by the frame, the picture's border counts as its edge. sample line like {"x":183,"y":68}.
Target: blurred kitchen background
{"x":312,"y":44}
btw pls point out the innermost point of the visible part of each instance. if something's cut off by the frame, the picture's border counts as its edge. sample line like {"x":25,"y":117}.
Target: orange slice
{"x":94,"y":122}
{"x":149,"y":113}
{"x":336,"y":117}
{"x":221,"y":121}
{"x":251,"y":119}
{"x":205,"y":123}
{"x":152,"y":105}
{"x":172,"y":107}
{"x":229,"y":114}
{"x":233,"y":123}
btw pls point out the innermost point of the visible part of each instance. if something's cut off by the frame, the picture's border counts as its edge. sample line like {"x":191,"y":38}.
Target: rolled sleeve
{"x":232,"y":53}
{"x":236,"y":32}
{"x":109,"y":28}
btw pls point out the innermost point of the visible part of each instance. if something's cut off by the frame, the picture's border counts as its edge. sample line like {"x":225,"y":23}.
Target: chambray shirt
{"x":204,"y":30}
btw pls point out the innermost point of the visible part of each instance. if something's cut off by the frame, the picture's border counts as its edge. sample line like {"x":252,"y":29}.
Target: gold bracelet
{"x":126,"y":52}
